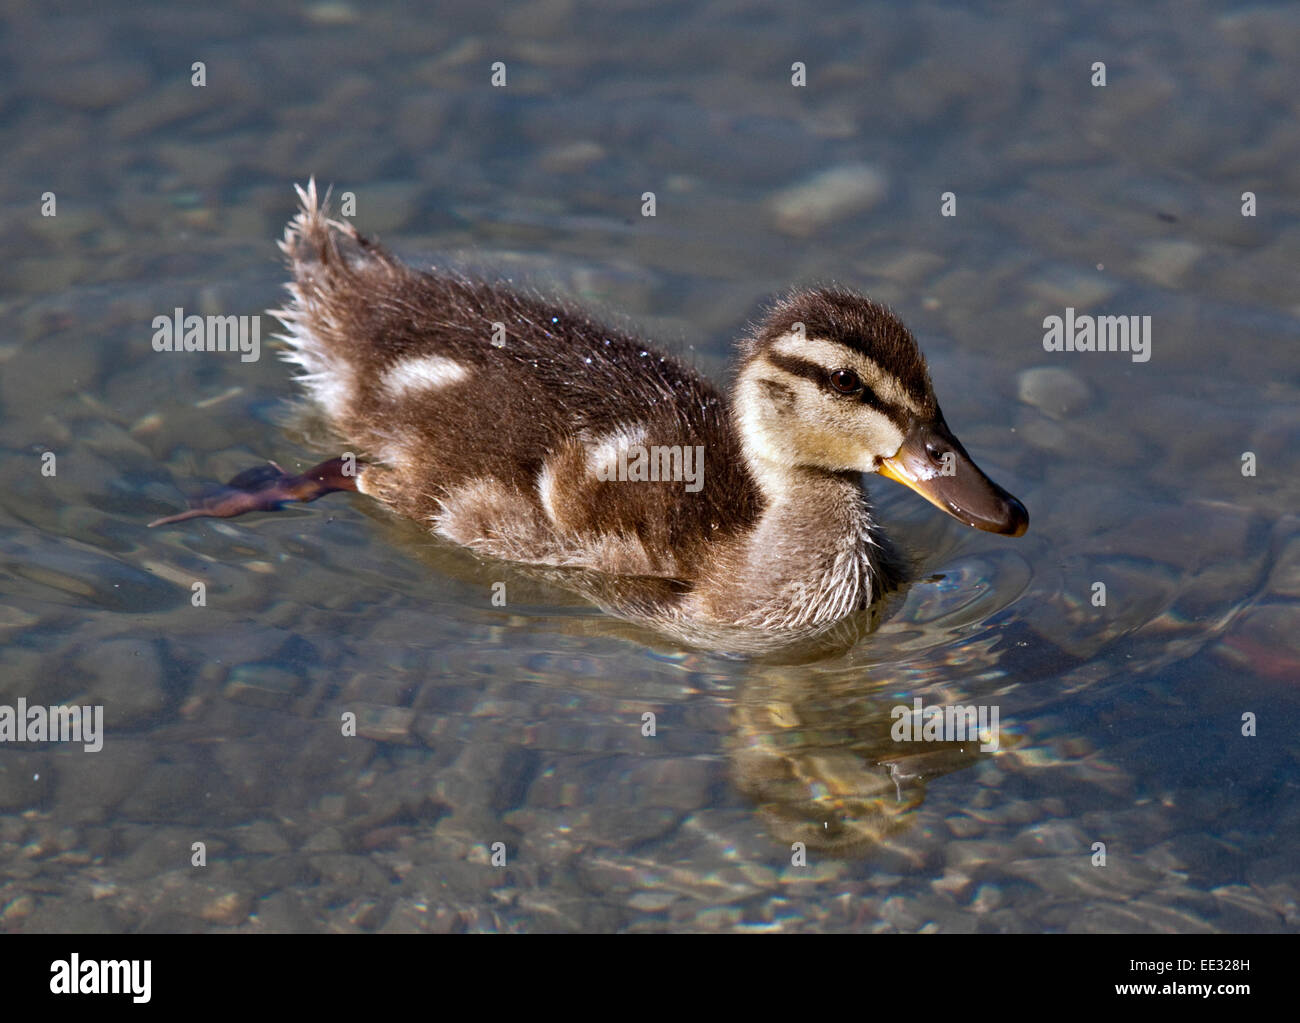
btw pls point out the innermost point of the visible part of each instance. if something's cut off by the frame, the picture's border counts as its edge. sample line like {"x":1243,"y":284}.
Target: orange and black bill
{"x":932,"y":462}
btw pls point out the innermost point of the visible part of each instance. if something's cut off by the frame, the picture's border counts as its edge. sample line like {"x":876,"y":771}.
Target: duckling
{"x":523,"y":429}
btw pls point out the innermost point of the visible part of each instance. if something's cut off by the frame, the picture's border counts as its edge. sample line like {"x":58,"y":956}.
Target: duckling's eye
{"x":845,"y":381}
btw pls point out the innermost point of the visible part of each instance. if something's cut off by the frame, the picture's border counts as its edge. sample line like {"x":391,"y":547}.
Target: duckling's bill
{"x":932,"y":462}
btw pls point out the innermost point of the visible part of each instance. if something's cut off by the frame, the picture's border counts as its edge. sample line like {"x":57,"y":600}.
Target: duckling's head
{"x":832,"y":381}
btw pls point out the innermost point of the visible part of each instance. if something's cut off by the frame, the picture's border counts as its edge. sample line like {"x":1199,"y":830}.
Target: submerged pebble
{"x":826,"y":197}
{"x":1053,"y":391}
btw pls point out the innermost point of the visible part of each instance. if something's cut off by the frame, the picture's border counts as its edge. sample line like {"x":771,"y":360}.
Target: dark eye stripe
{"x":819,"y":375}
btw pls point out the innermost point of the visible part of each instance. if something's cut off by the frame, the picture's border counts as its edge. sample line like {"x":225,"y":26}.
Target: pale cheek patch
{"x":858,"y":447}
{"x":883,"y":440}
{"x":846,"y":437}
{"x":426,"y":373}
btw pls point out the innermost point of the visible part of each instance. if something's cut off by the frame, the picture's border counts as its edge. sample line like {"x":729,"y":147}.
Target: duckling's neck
{"x":813,"y":554}
{"x":809,"y":559}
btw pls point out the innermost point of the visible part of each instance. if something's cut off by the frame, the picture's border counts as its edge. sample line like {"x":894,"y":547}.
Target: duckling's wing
{"x":512,"y":424}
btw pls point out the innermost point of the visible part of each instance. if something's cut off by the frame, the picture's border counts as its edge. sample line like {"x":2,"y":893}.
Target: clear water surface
{"x":1121,"y":724}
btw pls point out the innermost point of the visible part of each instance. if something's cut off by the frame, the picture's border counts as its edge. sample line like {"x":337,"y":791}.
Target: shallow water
{"x":1119,"y":724}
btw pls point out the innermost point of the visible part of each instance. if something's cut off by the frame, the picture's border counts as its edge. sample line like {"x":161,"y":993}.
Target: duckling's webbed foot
{"x":268,"y":488}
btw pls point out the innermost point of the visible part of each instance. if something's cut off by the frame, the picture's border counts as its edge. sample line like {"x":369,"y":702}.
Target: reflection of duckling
{"x":504,"y":421}
{"x":818,"y":757}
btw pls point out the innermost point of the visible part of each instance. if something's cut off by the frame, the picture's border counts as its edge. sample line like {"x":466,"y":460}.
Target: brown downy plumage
{"x":503,"y":421}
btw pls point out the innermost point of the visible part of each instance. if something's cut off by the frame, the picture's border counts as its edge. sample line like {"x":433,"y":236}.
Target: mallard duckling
{"x":525,"y":430}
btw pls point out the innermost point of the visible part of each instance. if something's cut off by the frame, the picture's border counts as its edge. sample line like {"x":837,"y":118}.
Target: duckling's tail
{"x":339,"y":279}
{"x":312,"y":238}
